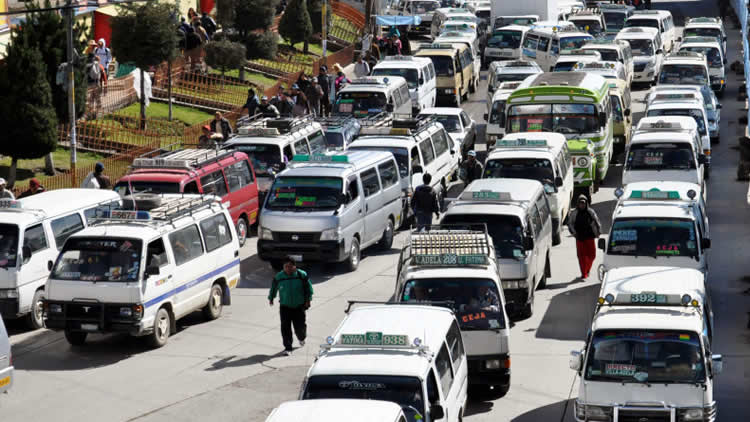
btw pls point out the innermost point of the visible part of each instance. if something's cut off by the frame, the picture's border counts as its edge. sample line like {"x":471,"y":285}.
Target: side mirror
{"x":528,"y":243}
{"x":705,"y":243}
{"x":26,"y":251}
{"x":627,"y":112}
{"x":486,"y":116}
{"x":421,"y":81}
{"x":724,"y":38}
{"x":282,"y":166}
{"x":660,"y":51}
{"x":453,"y":151}
{"x":718,"y":106}
{"x":558,"y":181}
{"x":152,"y":270}
{"x":701,"y":159}
{"x":602,"y":119}
{"x":601,"y":244}
{"x":436,"y":412}
{"x":490,"y":88}
{"x":717,"y":364}
{"x":679,"y":39}
{"x":389,"y":108}
{"x":576,"y":360}
{"x":725,"y":60}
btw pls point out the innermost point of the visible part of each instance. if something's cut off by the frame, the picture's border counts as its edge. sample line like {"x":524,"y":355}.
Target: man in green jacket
{"x":295,"y":293}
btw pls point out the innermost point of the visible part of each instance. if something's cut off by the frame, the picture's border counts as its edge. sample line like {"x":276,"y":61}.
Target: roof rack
{"x":171,"y":208}
{"x":437,"y":46}
{"x":704,"y":20}
{"x":334,"y":120}
{"x":687,"y":40}
{"x":516,"y":63}
{"x":586,"y":11}
{"x":615,"y":6}
{"x":448,"y":246}
{"x":400,"y":125}
{"x":351,"y":303}
{"x":579,"y":52}
{"x":275,"y":126}
{"x":646,"y":12}
{"x":186,"y":159}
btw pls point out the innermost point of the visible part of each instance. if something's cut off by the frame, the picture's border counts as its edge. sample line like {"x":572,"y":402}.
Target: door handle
{"x":367,"y":207}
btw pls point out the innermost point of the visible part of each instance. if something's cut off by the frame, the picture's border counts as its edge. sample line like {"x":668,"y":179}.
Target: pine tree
{"x":295,"y":25}
{"x":225,"y":55}
{"x":27,"y":115}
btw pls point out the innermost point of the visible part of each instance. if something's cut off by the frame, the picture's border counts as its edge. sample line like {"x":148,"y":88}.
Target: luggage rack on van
{"x":171,"y":208}
{"x":400,"y":125}
{"x":448,"y":246}
{"x":269,"y":126}
{"x":187,"y":159}
{"x":381,"y":119}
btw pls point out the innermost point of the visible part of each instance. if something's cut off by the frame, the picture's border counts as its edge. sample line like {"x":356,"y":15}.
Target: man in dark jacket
{"x":295,"y":293}
{"x":221,"y":125}
{"x":34,"y":188}
{"x":286,"y":105}
{"x":325,"y":85}
{"x":471,"y":169}
{"x":424,"y":202}
{"x":584,"y":225}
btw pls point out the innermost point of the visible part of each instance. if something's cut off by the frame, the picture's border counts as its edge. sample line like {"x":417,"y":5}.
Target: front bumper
{"x":92,"y":318}
{"x":323,"y":251}
{"x":718,"y":84}
{"x":9,"y":308}
{"x":645,"y":75}
{"x":480,"y":375}
{"x":424,"y":28}
{"x":654,"y":413}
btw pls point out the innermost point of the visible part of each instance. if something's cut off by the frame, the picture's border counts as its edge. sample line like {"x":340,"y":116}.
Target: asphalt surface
{"x":232,"y":369}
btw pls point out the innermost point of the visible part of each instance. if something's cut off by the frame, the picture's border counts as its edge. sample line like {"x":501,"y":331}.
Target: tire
{"x":352,"y":262}
{"x":213,"y":308}
{"x":35,"y":318}
{"x":162,"y":328}
{"x":528,"y":309}
{"x":473,"y":86}
{"x":242,"y":229}
{"x":386,"y":242}
{"x":277,"y":265}
{"x":76,"y":338}
{"x":547,"y":273}
{"x":557,"y":236}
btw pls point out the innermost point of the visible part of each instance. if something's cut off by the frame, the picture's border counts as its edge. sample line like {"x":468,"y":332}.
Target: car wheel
{"x":242,"y":231}
{"x":352,"y":263}
{"x":162,"y":328}
{"x":528,"y":309}
{"x":547,"y":274}
{"x":557,"y":236}
{"x":387,"y":240}
{"x":473,"y":86}
{"x":75,"y":338}
{"x":35,"y":318}
{"x":215,"y":304}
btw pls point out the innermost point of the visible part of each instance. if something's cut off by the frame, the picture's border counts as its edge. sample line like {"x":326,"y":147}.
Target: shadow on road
{"x":234,"y":362}
{"x":555,"y":412}
{"x":569,"y":314}
{"x":100,"y":350}
{"x":604,"y":210}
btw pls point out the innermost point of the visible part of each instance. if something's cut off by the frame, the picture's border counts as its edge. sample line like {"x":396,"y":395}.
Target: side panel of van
{"x":6,"y":370}
{"x":351,"y":217}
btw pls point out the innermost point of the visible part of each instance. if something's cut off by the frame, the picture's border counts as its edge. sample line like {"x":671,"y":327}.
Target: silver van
{"x":329,"y":207}
{"x":6,"y":369}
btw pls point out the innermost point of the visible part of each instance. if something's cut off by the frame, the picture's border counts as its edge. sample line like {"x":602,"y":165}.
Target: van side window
{"x":536,"y":219}
{"x":288,"y":154}
{"x":239,"y":175}
{"x":63,"y":227}
{"x":156,"y":254}
{"x":352,"y":189}
{"x":370,"y":182}
{"x":404,"y":89}
{"x":415,"y":160}
{"x":186,"y":244}
{"x":456,"y":344}
{"x":216,"y":232}
{"x":432,"y":70}
{"x":35,"y":239}
{"x":467,"y":57}
{"x":317,"y":142}
{"x":440,"y":141}
{"x":444,"y":368}
{"x":396,"y":98}
{"x":428,"y":155}
{"x":543,"y":207}
{"x":388,"y":173}
{"x":555,"y":49}
{"x":214,"y":184}
{"x":191,"y":187}
{"x":531,"y":42}
{"x":300,"y":147}
{"x":543,"y":43}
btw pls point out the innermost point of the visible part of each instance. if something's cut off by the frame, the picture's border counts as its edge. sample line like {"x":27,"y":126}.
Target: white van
{"x":367,"y":97}
{"x":495,"y":116}
{"x":504,"y":44}
{"x":447,"y":14}
{"x":646,"y":47}
{"x":706,"y":27}
{"x":472,"y":42}
{"x":712,"y":49}
{"x":545,"y":44}
{"x":614,"y":51}
{"x":666,"y":149}
{"x":508,"y":71}
{"x":519,"y":220}
{"x":456,"y":267}
{"x":424,"y":9}
{"x":589,"y":20}
{"x":603,"y":68}
{"x":659,"y":19}
{"x":570,"y":58}
{"x":32,"y":231}
{"x":6,"y":366}
{"x":337,"y":410}
{"x":540,"y":156}
{"x":419,"y":73}
{"x":699,"y":92}
{"x":411,"y":355}
{"x":138,"y":272}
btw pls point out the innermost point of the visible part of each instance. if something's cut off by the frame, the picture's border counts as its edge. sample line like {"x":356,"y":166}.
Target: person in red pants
{"x":584,"y":225}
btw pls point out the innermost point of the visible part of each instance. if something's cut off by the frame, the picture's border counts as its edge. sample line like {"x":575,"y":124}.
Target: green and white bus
{"x":575,"y":104}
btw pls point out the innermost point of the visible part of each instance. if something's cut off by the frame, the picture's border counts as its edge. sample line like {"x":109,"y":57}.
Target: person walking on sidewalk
{"x":295,"y":293}
{"x":584,"y":225}
{"x":424,"y":202}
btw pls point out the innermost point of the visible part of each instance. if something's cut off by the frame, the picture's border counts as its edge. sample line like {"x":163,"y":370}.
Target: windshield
{"x":712,"y":54}
{"x":696,"y":114}
{"x":497,"y":114}
{"x":560,"y":118}
{"x":563,"y":66}
{"x":124,"y":187}
{"x":505,"y":230}
{"x":703,"y":32}
{"x":608,"y":54}
{"x":8,"y":245}
{"x":645,"y":356}
{"x":443,"y":65}
{"x":501,"y":22}
{"x":683,"y":74}
{"x":591,"y":26}
{"x":404,"y":391}
{"x":615,"y":20}
{"x":457,"y":27}
{"x":648,"y":23}
{"x":424,"y":6}
{"x":476,"y":301}
{"x":450,"y":122}
{"x":572,"y":43}
{"x":410,"y":75}
{"x":521,"y":168}
{"x":641,"y":47}
{"x":401,"y":154}
{"x":660,"y":156}
{"x":99,"y":259}
{"x":505,"y":39}
{"x":510,"y":77}
{"x":304,"y":193}
{"x":263,"y":157}
{"x":653,"y":237}
{"x":360,"y":104}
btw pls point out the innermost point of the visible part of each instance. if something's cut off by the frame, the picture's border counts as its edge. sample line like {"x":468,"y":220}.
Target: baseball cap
{"x":99,"y":167}
{"x":34,"y":182}
{"x":2,"y":181}
{"x":472,"y":153}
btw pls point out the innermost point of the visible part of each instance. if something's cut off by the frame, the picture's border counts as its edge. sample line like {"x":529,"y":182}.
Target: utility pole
{"x":324,"y":29}
{"x":71,"y":93}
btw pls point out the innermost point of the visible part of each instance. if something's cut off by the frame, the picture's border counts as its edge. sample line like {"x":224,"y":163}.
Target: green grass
{"x":316,"y":49}
{"x":254,"y":77}
{"x":26,"y":169}
{"x":352,"y":29}
{"x":187,"y":115}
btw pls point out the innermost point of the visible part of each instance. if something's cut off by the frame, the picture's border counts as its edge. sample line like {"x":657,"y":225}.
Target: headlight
{"x":598,"y":413}
{"x":8,"y":294}
{"x":449,"y":91}
{"x":492,"y":364}
{"x":491,"y":139}
{"x":54,"y":308}
{"x":126,"y":312}
{"x":693,"y":415}
{"x":266,"y":234}
{"x":515,"y":284}
{"x":331,"y":234}
{"x":582,"y":161}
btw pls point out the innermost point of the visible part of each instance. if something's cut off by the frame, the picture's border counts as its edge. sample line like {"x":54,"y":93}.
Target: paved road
{"x":232,"y":368}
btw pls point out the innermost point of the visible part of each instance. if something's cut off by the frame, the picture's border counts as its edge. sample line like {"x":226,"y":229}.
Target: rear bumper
{"x":480,"y":375}
{"x":325,"y":251}
{"x":647,"y":75}
{"x":9,"y":308}
{"x":92,"y":318}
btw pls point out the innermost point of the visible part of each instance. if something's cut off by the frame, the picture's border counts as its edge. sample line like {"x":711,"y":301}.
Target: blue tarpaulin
{"x":393,"y":20}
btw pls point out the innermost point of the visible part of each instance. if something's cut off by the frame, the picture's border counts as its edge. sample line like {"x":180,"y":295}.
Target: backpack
{"x":93,"y":71}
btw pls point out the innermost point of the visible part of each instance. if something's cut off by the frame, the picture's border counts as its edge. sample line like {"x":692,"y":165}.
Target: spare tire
{"x":141,"y":201}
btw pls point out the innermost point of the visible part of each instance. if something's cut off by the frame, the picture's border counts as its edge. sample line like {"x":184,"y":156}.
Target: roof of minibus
{"x":596,"y":85}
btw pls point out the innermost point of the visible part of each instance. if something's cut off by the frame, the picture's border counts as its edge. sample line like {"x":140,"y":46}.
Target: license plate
{"x":89,"y":327}
{"x":297,"y":258}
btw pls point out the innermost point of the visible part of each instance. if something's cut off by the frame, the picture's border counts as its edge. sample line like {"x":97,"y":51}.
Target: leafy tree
{"x":145,"y":36}
{"x":251,"y":15}
{"x":225,"y":13}
{"x":225,"y":55}
{"x":27,"y":115}
{"x":262,"y":45}
{"x":295,"y":25}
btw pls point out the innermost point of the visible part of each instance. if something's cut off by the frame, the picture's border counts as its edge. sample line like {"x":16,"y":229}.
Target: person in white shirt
{"x":5,"y":193}
{"x":96,"y":179}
